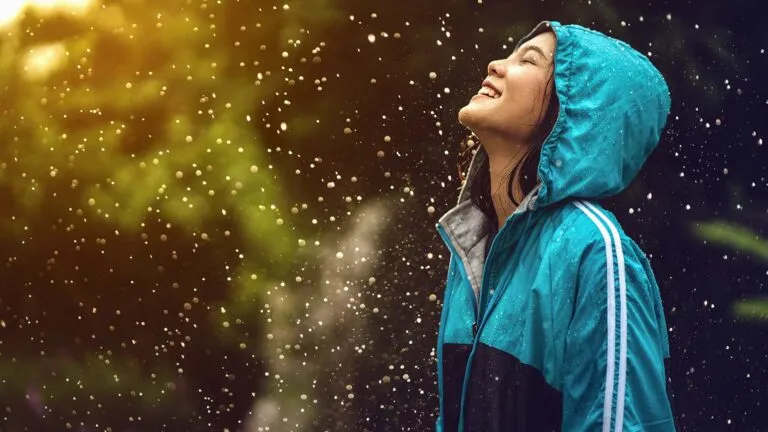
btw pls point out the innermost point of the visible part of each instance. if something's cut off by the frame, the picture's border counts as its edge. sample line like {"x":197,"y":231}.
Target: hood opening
{"x":476,"y":185}
{"x":612,"y":105}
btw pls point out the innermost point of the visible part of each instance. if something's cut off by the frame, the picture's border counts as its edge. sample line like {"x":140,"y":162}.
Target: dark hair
{"x":527,"y":168}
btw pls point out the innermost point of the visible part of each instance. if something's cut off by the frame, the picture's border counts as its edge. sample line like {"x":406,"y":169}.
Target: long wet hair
{"x":526,"y":169}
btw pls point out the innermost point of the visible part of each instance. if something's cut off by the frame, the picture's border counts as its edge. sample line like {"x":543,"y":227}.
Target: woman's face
{"x":522,"y":93}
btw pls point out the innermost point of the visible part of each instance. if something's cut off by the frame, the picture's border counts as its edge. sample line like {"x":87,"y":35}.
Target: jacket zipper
{"x":478,"y":300}
{"x":478,"y":303}
{"x":487,"y":281}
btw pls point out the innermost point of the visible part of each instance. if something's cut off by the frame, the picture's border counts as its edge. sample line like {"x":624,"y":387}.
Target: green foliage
{"x":142,"y":126}
{"x":754,"y":309}
{"x":733,"y":236}
{"x":742,"y":239}
{"x":105,"y":378}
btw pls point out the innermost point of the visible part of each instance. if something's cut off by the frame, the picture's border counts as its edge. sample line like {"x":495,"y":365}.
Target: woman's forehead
{"x":545,"y":41}
{"x":541,"y":44}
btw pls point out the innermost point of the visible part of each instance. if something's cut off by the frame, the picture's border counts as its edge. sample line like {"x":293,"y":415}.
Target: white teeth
{"x":488,"y":92}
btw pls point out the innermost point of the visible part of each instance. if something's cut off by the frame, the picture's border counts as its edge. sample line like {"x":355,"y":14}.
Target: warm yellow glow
{"x":11,"y":9}
{"x":60,"y":4}
{"x":42,"y":60}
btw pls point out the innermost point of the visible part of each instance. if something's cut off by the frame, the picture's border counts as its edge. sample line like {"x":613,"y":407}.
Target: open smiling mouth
{"x":487,"y":92}
{"x":483,"y":96}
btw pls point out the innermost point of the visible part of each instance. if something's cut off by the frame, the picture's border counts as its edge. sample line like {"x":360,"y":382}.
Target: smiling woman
{"x":552,"y":317}
{"x":513,"y":127}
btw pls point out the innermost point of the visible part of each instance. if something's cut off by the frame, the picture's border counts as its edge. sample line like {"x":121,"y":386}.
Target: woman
{"x":552,"y":318}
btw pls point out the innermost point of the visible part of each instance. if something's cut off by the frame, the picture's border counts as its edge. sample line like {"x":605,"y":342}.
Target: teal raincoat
{"x":561,"y":327}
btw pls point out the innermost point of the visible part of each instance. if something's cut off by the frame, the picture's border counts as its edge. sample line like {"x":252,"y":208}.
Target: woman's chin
{"x":469,"y":114}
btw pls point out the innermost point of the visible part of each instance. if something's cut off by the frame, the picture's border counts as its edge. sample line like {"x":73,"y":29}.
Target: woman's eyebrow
{"x":527,"y":48}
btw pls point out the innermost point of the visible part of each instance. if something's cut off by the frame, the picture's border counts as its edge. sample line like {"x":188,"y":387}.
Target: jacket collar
{"x":467,"y":228}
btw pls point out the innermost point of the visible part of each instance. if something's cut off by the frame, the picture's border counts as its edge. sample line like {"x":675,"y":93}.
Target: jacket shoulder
{"x":580,"y":224}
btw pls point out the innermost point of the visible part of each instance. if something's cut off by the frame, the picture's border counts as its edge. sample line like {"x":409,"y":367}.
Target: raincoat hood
{"x":613,"y":106}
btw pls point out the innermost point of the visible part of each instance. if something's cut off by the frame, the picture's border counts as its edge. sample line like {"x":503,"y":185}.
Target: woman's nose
{"x":495,"y":68}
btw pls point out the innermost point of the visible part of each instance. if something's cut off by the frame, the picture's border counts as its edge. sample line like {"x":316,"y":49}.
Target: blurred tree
{"x":143,"y":224}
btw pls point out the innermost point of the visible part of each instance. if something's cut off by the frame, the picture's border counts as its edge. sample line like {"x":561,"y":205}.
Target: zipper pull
{"x":474,"y":329}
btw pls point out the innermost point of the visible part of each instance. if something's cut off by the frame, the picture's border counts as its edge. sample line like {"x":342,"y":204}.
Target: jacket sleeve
{"x":614,"y":376}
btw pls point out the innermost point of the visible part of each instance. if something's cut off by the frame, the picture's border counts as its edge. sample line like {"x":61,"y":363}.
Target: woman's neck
{"x":500,"y":171}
